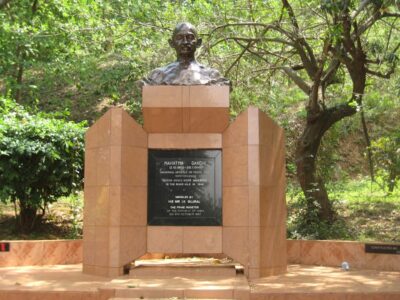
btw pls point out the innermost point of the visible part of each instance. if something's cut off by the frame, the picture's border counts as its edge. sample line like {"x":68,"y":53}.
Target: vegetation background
{"x":71,"y":60}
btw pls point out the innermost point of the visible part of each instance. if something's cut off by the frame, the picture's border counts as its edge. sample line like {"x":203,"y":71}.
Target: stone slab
{"x":301,"y":282}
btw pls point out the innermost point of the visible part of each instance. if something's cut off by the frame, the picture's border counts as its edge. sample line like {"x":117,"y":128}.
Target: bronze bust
{"x":185,"y":70}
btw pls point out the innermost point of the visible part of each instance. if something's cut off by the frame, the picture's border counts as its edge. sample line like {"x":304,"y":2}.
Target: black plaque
{"x":184,"y":188}
{"x":382,"y":248}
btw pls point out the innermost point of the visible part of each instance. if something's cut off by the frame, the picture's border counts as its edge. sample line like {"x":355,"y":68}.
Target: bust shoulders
{"x":193,"y":73}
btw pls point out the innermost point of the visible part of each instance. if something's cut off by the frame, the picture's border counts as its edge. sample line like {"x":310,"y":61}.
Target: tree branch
{"x":331,"y":71}
{"x":381,"y":75}
{"x":241,"y":24}
{"x":3,"y":3}
{"x":245,"y":39}
{"x":303,"y":48}
{"x":297,"y":79}
{"x":390,"y":15}
{"x":292,"y":16}
{"x":368,"y":23}
{"x":238,"y":58}
{"x":360,"y":8}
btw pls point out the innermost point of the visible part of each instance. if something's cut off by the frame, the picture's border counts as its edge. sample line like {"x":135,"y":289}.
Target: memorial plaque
{"x":184,"y":188}
{"x":382,"y":248}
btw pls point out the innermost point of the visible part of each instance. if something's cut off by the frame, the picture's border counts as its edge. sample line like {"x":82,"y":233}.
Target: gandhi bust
{"x":185,"y":70}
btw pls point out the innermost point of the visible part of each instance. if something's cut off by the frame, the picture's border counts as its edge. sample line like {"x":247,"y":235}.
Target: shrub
{"x":303,"y":221}
{"x":386,"y":153}
{"x":41,"y":159}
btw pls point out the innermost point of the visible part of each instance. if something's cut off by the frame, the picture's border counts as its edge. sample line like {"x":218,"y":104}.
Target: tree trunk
{"x":306,"y":156}
{"x":27,"y":218}
{"x":3,"y":3}
{"x":312,"y":185}
{"x":392,"y":180}
{"x":20,"y":72}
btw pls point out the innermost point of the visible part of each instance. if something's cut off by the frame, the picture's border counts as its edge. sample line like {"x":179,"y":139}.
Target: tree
{"x":35,"y":32}
{"x":320,"y":46}
{"x":41,"y":159}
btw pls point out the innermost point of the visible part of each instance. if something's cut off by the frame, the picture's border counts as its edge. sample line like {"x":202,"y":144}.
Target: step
{"x":205,"y":287}
{"x":178,"y":293}
{"x":182,"y":272}
{"x":185,"y":267}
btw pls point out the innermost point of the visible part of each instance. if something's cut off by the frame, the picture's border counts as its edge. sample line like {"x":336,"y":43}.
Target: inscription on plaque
{"x":382,"y":248}
{"x":184,"y":188}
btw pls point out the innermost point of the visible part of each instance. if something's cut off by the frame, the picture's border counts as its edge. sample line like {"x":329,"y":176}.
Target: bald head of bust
{"x":185,"y":70}
{"x":185,"y":41}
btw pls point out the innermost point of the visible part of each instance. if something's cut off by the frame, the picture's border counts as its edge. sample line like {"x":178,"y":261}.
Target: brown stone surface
{"x":209,"y":96}
{"x":165,"y":239}
{"x":99,"y":134}
{"x":185,"y":109}
{"x":185,"y":118}
{"x":205,"y":239}
{"x":163,"y":120}
{"x":42,"y":253}
{"x":253,"y":165}
{"x":133,"y":243}
{"x":300,"y":282}
{"x":272,"y":206}
{"x":133,"y":213}
{"x":208,"y":120}
{"x":254,"y":191}
{"x":115,"y":193}
{"x":235,"y":206}
{"x":237,"y":132}
{"x":255,"y":248}
{"x":236,"y":243}
{"x":185,"y":96}
{"x":333,"y":253}
{"x":164,"y":96}
{"x":273,"y":247}
{"x":185,"y":141}
{"x":235,"y":166}
{"x":133,"y":166}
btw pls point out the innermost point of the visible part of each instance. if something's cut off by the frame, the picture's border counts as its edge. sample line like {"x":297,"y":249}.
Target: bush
{"x":386,"y":153}
{"x":303,"y":222}
{"x":41,"y":159}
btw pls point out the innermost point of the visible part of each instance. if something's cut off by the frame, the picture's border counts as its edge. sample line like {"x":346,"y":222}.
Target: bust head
{"x":185,"y":70}
{"x":185,"y":41}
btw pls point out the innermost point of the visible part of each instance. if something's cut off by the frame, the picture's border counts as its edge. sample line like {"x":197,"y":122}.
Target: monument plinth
{"x":139,"y":181}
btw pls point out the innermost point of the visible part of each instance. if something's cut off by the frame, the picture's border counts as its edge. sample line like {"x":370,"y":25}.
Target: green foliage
{"x":386,"y":153}
{"x":41,"y":159}
{"x":364,"y":212}
{"x":303,"y":221}
{"x":75,"y":215}
{"x":370,"y":212}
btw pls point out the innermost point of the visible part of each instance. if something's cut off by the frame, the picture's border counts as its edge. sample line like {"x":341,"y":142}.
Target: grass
{"x":371,"y":213}
{"x":365,"y":213}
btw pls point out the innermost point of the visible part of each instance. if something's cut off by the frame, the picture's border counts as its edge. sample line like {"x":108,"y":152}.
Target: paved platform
{"x":301,"y":282}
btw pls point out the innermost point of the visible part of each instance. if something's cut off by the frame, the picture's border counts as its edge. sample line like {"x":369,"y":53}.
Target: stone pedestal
{"x":185,"y":117}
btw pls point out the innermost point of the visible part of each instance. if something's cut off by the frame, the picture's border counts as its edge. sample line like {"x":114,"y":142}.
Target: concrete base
{"x":115,"y":230}
{"x":300,"y":282}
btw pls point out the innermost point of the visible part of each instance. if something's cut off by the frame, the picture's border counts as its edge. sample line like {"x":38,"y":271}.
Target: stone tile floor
{"x":300,"y":282}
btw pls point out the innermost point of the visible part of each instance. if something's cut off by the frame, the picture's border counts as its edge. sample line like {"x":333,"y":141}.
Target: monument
{"x":187,"y":182}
